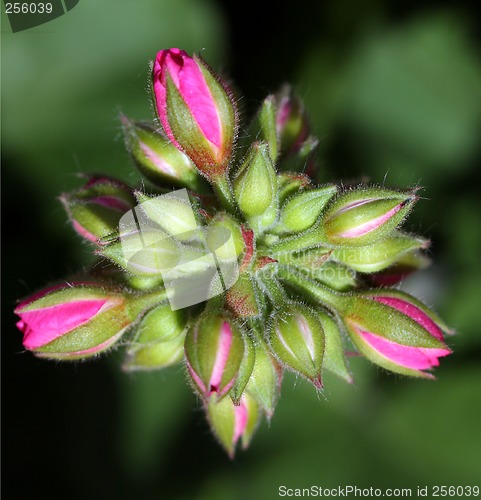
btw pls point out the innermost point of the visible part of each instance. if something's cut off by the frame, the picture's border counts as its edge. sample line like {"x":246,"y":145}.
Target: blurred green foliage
{"x":393,"y":94}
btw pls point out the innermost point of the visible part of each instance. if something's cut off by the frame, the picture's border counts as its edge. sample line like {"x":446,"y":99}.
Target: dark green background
{"x":394,"y":93}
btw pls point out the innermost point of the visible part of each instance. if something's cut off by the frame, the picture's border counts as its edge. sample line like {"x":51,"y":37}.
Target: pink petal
{"x":42,"y":326}
{"x":240,"y":415}
{"x":417,"y":358}
{"x":414,"y":313}
{"x":223,"y":350}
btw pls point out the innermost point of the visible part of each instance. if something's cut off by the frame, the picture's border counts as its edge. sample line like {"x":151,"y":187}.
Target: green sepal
{"x":226,"y":108}
{"x":214,"y":238}
{"x":311,"y":258}
{"x":171,"y":212}
{"x":265,"y":382}
{"x":221,"y":418}
{"x":378,"y":256}
{"x":245,"y":370}
{"x":335,"y":276}
{"x":334,"y":358}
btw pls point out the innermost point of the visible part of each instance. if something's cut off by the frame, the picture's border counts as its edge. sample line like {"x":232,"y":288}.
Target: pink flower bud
{"x":214,"y":349}
{"x":194,"y":109}
{"x":396,"y":331}
{"x":365,"y":215}
{"x":72,"y":320}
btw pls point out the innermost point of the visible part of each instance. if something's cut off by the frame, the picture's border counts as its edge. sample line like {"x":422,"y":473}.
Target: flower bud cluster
{"x":292,"y":271}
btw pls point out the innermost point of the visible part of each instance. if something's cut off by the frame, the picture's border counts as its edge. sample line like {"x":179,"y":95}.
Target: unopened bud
{"x":71,"y":321}
{"x":231,"y":423}
{"x":366,"y":215}
{"x":157,"y":158}
{"x":195,"y":110}
{"x":396,"y":331}
{"x":264,"y":127}
{"x":214,"y":349}
{"x":302,"y":210}
{"x":159,"y":341}
{"x":291,"y":121}
{"x":255,"y":183}
{"x":96,"y":208}
{"x":297,"y":340}
{"x":407,"y":264}
{"x":378,"y":256}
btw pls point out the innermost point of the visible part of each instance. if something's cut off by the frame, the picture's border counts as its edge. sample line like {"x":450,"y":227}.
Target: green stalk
{"x":311,"y":238}
{"x":223,"y":191}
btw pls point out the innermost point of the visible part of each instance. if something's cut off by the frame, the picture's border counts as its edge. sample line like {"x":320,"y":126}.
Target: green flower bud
{"x":297,"y":339}
{"x":158,"y":158}
{"x":255,"y":183}
{"x":159,"y":341}
{"x":148,"y":253}
{"x":378,"y":256}
{"x":302,"y":210}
